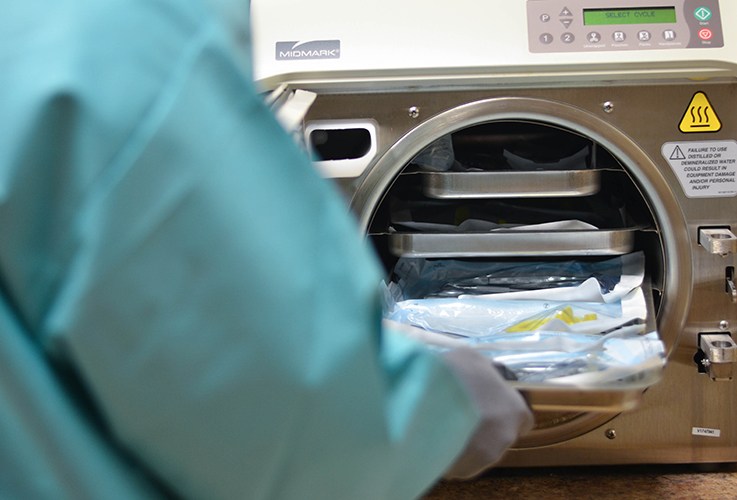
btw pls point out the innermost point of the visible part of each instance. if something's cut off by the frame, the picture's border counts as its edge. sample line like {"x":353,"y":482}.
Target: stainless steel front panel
{"x":686,"y":417}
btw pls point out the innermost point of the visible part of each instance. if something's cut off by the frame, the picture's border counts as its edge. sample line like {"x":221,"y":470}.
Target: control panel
{"x":605,"y":25}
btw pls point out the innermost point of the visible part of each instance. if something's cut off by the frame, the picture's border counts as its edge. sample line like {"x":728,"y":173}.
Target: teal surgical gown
{"x":186,"y":308}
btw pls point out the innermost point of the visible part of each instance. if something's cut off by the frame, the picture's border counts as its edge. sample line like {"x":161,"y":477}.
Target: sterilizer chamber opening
{"x":471,"y":194}
{"x":510,"y":174}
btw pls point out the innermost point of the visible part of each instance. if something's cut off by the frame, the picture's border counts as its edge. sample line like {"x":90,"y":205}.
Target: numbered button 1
{"x":546,"y":38}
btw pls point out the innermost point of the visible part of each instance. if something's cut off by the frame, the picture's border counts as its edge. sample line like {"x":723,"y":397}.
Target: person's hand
{"x":505,"y":414}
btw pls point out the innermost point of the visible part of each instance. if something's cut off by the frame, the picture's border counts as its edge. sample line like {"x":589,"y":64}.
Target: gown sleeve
{"x":166,"y":240}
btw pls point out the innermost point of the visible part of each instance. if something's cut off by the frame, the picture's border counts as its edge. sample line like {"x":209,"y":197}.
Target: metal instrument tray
{"x":581,"y":399}
{"x":513,"y":243}
{"x":511,"y":184}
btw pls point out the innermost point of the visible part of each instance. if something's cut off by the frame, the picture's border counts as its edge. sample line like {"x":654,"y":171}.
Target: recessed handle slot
{"x":344,"y":148}
{"x":340,"y":143}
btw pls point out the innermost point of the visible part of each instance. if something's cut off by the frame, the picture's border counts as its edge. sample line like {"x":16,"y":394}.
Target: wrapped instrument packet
{"x":423,"y":278}
{"x":591,"y":332}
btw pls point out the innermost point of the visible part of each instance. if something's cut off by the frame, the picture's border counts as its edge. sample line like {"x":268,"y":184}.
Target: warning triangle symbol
{"x":677,"y":154}
{"x":700,"y":116}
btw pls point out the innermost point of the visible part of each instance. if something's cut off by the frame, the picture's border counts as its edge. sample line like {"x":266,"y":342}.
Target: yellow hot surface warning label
{"x":700,"y":116}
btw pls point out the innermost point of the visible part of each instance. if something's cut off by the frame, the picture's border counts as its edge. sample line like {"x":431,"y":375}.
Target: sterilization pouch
{"x":595,"y":331}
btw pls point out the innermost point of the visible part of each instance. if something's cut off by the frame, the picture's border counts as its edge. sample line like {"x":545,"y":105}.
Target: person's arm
{"x":211,"y":292}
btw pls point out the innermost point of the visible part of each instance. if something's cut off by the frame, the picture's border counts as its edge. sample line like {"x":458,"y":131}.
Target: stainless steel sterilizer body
{"x":620,"y":115}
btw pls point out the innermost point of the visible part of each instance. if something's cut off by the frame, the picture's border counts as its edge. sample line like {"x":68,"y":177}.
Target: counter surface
{"x":693,"y":482}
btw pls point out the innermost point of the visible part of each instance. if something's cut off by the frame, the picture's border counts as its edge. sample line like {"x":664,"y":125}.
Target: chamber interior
{"x":509,"y":174}
{"x":557,"y":174}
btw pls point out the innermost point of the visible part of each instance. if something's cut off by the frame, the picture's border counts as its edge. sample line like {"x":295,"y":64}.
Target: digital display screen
{"x":641,"y":15}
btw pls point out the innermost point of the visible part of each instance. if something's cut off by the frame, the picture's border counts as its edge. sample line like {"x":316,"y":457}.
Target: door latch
{"x":718,"y":240}
{"x":718,"y":355}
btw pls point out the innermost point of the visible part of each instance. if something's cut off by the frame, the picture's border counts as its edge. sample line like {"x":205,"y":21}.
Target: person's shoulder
{"x":96,"y":65}
{"x":75,"y":45}
{"x":140,"y":38}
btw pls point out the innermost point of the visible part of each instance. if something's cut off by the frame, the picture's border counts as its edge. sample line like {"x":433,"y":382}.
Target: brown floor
{"x":690,"y":482}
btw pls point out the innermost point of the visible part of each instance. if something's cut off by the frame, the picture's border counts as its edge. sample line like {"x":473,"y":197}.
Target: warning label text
{"x":705,"y":169}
